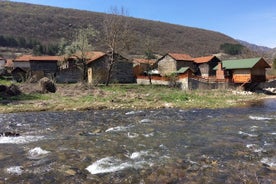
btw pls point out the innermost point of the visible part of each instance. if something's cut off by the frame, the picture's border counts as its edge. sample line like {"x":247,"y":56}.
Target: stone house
{"x":206,"y":66}
{"x":242,"y":70}
{"x":172,"y":62}
{"x":97,"y":65}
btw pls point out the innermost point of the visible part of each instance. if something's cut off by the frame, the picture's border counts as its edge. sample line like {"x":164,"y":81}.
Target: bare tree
{"x":80,"y":47}
{"x":149,"y":56}
{"x":116,"y":36}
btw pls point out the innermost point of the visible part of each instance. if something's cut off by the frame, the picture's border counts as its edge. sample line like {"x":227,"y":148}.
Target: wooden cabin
{"x":172,"y":62}
{"x":242,"y":70}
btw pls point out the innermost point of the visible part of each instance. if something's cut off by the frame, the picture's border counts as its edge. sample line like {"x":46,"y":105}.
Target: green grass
{"x":130,"y":96}
{"x":5,"y":82}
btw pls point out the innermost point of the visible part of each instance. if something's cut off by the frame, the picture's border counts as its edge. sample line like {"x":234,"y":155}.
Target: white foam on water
{"x":132,"y":135}
{"x":149,"y":135}
{"x":111,"y":164}
{"x":133,"y":112}
{"x":117,"y":129}
{"x":107,"y":165}
{"x":247,"y":134}
{"x":255,"y":148}
{"x":273,"y":133}
{"x":138,"y":155}
{"x":259,"y":118}
{"x":271,"y":162}
{"x":145,"y":121}
{"x":253,"y":128}
{"x":267,"y":144}
{"x":20,"y":139}
{"x":37,"y":152}
{"x":18,"y":170}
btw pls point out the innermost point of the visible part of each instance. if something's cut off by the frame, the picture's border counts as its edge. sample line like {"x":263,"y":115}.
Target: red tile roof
{"x":145,"y":61}
{"x":204,"y":59}
{"x":183,"y":57}
{"x":27,"y":58}
{"x":92,"y":56}
{"x":23,"y":58}
{"x":46,"y":58}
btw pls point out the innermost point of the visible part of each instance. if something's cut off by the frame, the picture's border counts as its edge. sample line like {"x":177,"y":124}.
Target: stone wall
{"x":70,"y":75}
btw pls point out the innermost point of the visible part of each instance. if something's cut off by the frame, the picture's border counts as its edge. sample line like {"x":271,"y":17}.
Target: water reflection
{"x":147,"y":146}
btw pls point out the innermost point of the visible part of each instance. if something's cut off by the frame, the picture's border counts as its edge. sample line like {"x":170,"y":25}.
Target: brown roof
{"x":23,"y":58}
{"x":92,"y":56}
{"x":183,"y":57}
{"x":204,"y":59}
{"x":27,"y":58}
{"x":145,"y":61}
{"x":45,"y":58}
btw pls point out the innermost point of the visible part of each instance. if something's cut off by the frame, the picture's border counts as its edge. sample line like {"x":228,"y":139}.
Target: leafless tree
{"x":116,"y":36}
{"x":149,"y":56}
{"x":79,"y":48}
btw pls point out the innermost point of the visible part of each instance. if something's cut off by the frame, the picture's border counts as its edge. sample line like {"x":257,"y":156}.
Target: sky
{"x":253,"y":21}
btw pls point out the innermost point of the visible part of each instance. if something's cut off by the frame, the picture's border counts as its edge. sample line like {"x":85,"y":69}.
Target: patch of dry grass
{"x":132,"y":96}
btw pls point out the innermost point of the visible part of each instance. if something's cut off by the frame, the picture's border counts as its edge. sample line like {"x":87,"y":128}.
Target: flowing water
{"x":234,"y":145}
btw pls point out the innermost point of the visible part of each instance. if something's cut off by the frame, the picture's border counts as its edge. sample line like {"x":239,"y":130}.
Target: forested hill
{"x":50,"y":24}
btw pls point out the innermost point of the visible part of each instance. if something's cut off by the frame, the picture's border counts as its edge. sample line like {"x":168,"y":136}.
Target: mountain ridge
{"x":49,"y":24}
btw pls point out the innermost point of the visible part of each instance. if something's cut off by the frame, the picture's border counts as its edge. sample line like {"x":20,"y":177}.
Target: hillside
{"x":50,"y":24}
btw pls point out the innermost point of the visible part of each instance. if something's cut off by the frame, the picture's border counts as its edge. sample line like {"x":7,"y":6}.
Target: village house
{"x":242,"y":70}
{"x":122,"y":70}
{"x":172,"y":62}
{"x":35,"y":66}
{"x":206,"y":66}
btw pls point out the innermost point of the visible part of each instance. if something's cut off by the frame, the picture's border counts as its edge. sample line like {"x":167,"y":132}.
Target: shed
{"x":243,"y":70}
{"x":172,"y":62}
{"x":48,"y":65}
{"x":39,"y":66}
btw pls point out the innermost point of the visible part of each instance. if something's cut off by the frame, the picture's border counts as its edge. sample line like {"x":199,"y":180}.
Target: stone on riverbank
{"x":47,"y":85}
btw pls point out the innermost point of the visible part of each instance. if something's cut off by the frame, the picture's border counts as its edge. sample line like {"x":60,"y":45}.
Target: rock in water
{"x":47,"y":85}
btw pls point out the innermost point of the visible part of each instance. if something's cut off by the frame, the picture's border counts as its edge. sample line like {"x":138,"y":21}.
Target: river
{"x":233,"y":145}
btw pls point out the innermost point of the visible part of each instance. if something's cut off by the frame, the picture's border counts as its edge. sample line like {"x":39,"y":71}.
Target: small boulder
{"x":13,"y":90}
{"x":47,"y":85}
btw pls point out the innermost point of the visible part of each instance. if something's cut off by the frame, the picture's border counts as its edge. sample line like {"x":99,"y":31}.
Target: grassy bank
{"x":79,"y":97}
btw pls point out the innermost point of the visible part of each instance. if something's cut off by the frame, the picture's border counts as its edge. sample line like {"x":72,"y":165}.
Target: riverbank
{"x":132,"y":96}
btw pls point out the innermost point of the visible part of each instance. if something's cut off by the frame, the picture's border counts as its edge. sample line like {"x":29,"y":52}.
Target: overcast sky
{"x":253,"y":21}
